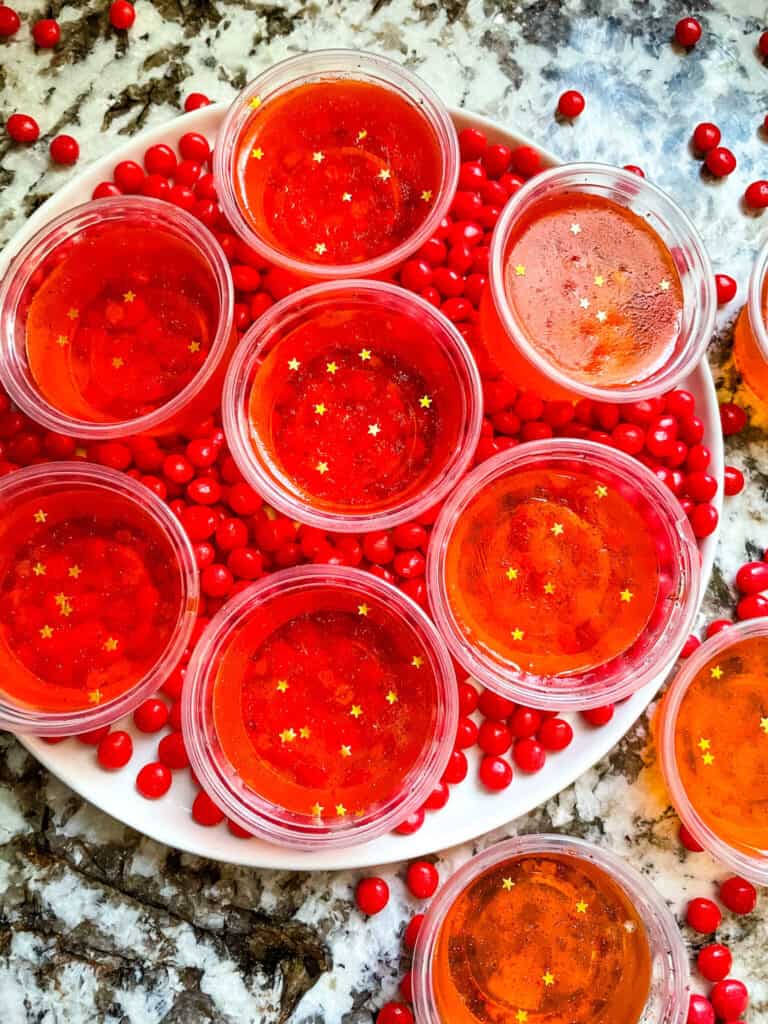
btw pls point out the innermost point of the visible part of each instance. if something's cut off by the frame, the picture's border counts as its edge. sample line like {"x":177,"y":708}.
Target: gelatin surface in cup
{"x":119,"y":320}
{"x":90,"y":598}
{"x":721,"y":745}
{"x":594,"y":288}
{"x":336,"y":171}
{"x":323,"y":701}
{"x":750,"y":334}
{"x":541,"y":938}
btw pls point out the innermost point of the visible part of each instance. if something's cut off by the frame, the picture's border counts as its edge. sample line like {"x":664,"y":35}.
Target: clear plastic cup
{"x":573,"y":613}
{"x":750,"y":336}
{"x":231,"y":156}
{"x":65,"y":524}
{"x":369,"y":406}
{"x":727,"y":832}
{"x":513,"y":347}
{"x":667,"y":1001}
{"x":95,"y":233}
{"x":336,"y":754}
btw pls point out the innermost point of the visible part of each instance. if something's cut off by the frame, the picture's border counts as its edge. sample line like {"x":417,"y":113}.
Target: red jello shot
{"x":563,"y":575}
{"x":98,"y":597}
{"x":352,"y":406}
{"x":320,"y":707}
{"x":600,"y":286}
{"x":115,"y":319}
{"x":336,"y":164}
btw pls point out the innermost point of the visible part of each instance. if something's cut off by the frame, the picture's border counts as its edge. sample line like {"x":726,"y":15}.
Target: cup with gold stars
{"x":545,"y":928}
{"x":352,"y":406}
{"x":600,"y":287}
{"x":712,"y":737}
{"x":98,"y":597}
{"x":336,"y":163}
{"x":116,"y":319}
{"x":563,"y":575}
{"x":319,"y":708}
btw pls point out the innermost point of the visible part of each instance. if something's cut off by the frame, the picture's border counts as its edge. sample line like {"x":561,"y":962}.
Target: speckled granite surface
{"x":100,"y":925}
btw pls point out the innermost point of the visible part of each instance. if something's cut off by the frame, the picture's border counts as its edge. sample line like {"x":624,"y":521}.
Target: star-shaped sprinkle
{"x":258,"y":153}
{"x":417,"y":661}
{"x":557,"y":529}
{"x":549,"y":588}
{"x":521,"y":1016}
{"x":374,"y":429}
{"x":512,"y":573}
{"x":575,"y":228}
{"x":599,"y":280}
{"x":601,"y":491}
{"x":356,"y":711}
{"x":548,"y":978}
{"x":287,"y":736}
{"x":95,"y":696}
{"x":61,"y":599}
{"x":65,"y":610}
{"x":117,"y":362}
{"x":322,"y":468}
{"x":626,"y":596}
{"x":38,"y":569}
{"x":584,"y":303}
{"x":764,"y":725}
{"x":331,"y":367}
{"x":129,"y":296}
{"x":716,"y":672}
{"x":507,"y":884}
{"x":110,"y":644}
{"x":384,"y":174}
{"x":305,"y":732}
{"x":362,"y":134}
{"x":293,"y":364}
{"x":62,"y":340}
{"x":74,"y":571}
{"x":46,"y":632}
{"x":630,"y":926}
{"x":321,"y":409}
{"x":581,"y":907}
{"x":391,"y":697}
{"x":346,"y":750}
{"x":282,"y":685}
{"x":318,"y":157}
{"x":426,"y":195}
{"x":708,"y":759}
{"x":365,"y":354}
{"x":73,"y":314}
{"x":346,"y":197}
{"x":40,"y":516}
{"x":664,"y":285}
{"x":341,"y":810}
{"x":520,"y":270}
{"x":517,"y":633}
{"x":363,"y":609}
{"x":317,"y":810}
{"x":321,"y":248}
{"x":425,"y":401}
{"x":193,"y":346}
{"x":704,"y":744}
{"x":602,"y":316}
{"x":254,"y":102}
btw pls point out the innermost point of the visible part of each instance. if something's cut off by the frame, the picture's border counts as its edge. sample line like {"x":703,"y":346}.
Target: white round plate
{"x":471,"y":810}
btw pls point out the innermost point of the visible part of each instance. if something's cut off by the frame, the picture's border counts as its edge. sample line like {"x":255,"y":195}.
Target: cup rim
{"x":751,"y":867}
{"x":15,"y":376}
{"x":237,"y":424}
{"x":314,"y":65}
{"x":25,"y":720}
{"x":263,"y":818}
{"x":755,"y":299}
{"x":661,"y":929}
{"x":591,"y":171}
{"x":519,"y":686}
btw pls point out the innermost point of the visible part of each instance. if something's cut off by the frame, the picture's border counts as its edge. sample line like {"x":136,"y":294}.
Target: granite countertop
{"x":97,"y":923}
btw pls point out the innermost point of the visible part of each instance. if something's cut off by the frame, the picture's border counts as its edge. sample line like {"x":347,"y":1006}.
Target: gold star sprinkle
{"x":548,"y":978}
{"x":282,"y":686}
{"x":321,"y":248}
{"x":257,"y":153}
{"x":426,"y":195}
{"x":417,"y":661}
{"x":708,"y":759}
{"x":602,"y":316}
{"x":584,"y":303}
{"x":664,"y":285}
{"x":117,"y":362}
{"x":317,"y":810}
{"x":704,"y":744}
{"x":391,"y":697}
{"x":374,"y":429}
{"x":581,"y":907}
{"x":62,"y":340}
{"x":74,"y":571}
{"x":599,"y":280}
{"x":46,"y":632}
{"x":384,"y":174}
{"x":601,"y":491}
{"x":362,"y":609}
{"x":73,"y":314}
{"x":40,"y":516}
{"x":65,"y":610}
{"x":521,"y":1016}
{"x":557,"y":529}
{"x":322,"y":468}
{"x":346,"y":751}
{"x":356,"y":711}
{"x":318,"y":157}
{"x":194,"y":346}
{"x":38,"y":569}
{"x":61,"y":599}
{"x":520,"y":270}
{"x":321,"y":409}
{"x":255,"y":102}
{"x":507,"y":884}
{"x":346,"y":197}
{"x":305,"y":732}
{"x":626,"y":596}
{"x":287,"y":736}
{"x":95,"y":696}
{"x":425,"y":401}
{"x":362,"y":134}
{"x":365,"y":354}
{"x":549,"y":588}
{"x":341,"y":810}
{"x":331,"y":368}
{"x":512,"y":574}
{"x":293,"y":364}
{"x":110,"y":644}
{"x":764,"y":725}
{"x":518,"y":634}
{"x":575,"y":228}
{"x":716,"y":672}
{"x":129,"y":296}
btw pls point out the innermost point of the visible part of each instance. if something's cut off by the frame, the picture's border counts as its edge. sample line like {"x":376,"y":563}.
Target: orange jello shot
{"x":600,"y":286}
{"x":750,"y":336}
{"x":336,"y":163}
{"x":712,"y":737}
{"x":98,"y":596}
{"x":116,"y":319}
{"x":563,"y":574}
{"x":549,"y":930}
{"x":320,"y":707}
{"x":352,"y":406}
